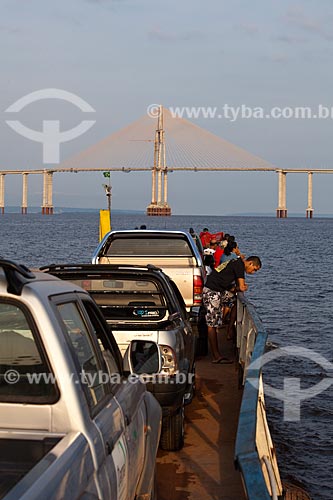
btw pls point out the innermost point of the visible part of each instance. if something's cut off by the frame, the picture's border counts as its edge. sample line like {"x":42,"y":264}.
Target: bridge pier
{"x":159,"y":207}
{"x":157,"y":210}
{"x":47,"y":205}
{"x":309,"y":210}
{"x":24,"y":206}
{"x":281,"y":214}
{"x":2,"y":193}
{"x":281,"y":211}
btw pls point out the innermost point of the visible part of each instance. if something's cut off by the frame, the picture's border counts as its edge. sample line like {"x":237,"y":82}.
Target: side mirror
{"x":174,"y":317}
{"x":144,"y":357}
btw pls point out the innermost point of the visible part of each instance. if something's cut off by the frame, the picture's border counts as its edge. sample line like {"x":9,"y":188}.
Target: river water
{"x":293,"y":294}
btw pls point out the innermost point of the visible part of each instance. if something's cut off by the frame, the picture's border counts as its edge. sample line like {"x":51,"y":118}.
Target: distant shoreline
{"x":59,"y":210}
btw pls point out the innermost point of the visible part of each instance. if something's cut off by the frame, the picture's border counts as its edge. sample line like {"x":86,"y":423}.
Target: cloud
{"x":163,"y":36}
{"x":320,"y":27}
{"x":248,"y":28}
{"x":8,"y":29}
{"x":113,"y":5}
{"x":278,"y":58}
{"x":290,"y":39}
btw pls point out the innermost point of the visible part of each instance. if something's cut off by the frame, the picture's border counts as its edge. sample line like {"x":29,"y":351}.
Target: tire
{"x":172,"y":435}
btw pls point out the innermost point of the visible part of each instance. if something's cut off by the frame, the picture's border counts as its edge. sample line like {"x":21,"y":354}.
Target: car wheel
{"x":172,"y":436}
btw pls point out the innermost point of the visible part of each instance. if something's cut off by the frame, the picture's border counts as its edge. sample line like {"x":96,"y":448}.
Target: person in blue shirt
{"x":231,"y":252}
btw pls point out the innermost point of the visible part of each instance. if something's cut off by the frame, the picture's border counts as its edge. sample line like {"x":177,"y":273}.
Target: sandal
{"x":226,"y":361}
{"x":222,"y":361}
{"x":217,"y":361}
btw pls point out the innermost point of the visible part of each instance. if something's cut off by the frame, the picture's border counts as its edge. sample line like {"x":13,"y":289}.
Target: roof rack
{"x":17,"y":275}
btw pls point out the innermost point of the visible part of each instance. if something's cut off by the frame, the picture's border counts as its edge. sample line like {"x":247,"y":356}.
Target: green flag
{"x":106,"y":174}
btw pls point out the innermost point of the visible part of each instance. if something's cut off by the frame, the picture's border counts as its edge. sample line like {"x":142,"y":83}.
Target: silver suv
{"x":71,"y":424}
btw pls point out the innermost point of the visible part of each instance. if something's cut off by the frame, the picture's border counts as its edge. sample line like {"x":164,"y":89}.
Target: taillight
{"x":169,"y":360}
{"x":197,"y":289}
{"x":86,"y":284}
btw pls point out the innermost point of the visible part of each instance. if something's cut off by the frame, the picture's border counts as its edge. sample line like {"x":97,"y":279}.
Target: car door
{"x":129,"y":451}
{"x":111,"y":453}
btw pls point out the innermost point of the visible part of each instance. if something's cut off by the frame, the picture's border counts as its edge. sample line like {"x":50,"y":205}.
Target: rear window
{"x":150,"y":246}
{"x":127,"y":299}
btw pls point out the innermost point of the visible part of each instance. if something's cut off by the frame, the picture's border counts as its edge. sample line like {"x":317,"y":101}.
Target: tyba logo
{"x":292,"y":394}
{"x":51,"y":137}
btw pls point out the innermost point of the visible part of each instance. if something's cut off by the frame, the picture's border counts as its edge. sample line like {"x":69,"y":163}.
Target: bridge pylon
{"x":159,"y":206}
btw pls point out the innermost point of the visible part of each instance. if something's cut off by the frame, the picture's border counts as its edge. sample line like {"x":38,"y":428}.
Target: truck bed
{"x":18,"y":456}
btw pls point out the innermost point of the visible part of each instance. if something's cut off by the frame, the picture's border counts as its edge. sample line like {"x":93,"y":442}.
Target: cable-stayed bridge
{"x":160,"y":145}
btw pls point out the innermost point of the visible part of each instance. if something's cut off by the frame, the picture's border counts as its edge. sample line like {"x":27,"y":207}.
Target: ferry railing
{"x":255,"y":455}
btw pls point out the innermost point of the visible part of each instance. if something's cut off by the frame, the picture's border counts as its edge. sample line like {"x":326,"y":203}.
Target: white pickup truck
{"x":71,"y":425}
{"x":175,"y":252}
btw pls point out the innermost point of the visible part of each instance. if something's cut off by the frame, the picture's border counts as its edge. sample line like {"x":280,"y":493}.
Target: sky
{"x":120,"y":56}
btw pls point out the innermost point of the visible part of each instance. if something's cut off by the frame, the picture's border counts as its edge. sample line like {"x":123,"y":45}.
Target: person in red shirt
{"x":205,"y":237}
{"x":218,"y":252}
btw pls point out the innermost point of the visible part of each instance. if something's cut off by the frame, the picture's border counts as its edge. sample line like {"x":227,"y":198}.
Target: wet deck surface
{"x":204,"y":468}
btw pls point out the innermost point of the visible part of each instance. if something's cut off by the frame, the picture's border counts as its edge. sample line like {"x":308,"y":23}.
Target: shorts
{"x":214,"y":303}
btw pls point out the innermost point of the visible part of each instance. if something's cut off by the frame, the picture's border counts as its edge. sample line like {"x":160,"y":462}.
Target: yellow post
{"x":104,"y":223}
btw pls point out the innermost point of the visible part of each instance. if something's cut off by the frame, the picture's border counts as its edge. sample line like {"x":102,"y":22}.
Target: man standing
{"x":219,"y":291}
{"x":208,"y":257}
